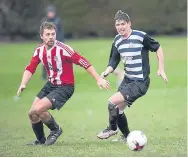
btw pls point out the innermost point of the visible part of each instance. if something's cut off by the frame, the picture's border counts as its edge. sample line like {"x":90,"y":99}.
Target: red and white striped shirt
{"x":58,"y":62}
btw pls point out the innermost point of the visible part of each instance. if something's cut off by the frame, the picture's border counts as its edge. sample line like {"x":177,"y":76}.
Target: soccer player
{"x":133,"y":47}
{"x":58,"y":60}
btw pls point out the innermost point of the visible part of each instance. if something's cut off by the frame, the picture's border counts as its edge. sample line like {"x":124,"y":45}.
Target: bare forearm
{"x":160,"y":57}
{"x":26,"y":77}
{"x":91,"y":70}
{"x":161,"y":71}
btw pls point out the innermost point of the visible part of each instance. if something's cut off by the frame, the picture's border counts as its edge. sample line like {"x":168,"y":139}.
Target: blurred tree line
{"x":83,"y":18}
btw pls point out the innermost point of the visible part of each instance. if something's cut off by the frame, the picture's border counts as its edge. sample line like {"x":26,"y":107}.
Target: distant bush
{"x":83,"y":18}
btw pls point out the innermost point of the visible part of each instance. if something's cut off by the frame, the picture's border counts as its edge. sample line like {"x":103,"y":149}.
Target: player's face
{"x":122,"y":27}
{"x":49,"y":37}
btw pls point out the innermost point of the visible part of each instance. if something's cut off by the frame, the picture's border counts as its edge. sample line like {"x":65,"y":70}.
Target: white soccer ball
{"x":136,"y":140}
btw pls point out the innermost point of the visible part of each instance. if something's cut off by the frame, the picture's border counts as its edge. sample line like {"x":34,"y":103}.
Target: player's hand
{"x":102,"y":83}
{"x":20,"y":89}
{"x":163,"y":75}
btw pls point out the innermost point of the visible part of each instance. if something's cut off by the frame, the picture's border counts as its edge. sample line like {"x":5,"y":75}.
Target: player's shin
{"x":113,"y":115}
{"x":39,"y":131}
{"x":123,"y":124}
{"x":51,"y":124}
{"x":55,"y":131}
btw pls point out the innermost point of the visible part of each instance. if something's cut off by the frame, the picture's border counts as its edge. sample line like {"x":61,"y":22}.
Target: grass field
{"x":161,"y":113}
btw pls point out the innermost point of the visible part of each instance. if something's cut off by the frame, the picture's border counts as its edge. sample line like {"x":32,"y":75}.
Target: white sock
{"x":121,"y":111}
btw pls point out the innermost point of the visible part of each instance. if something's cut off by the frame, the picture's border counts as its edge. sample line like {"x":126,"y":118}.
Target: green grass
{"x":161,"y":113}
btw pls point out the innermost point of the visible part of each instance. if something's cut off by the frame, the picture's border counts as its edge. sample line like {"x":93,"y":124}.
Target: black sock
{"x":123,"y":124}
{"x":51,"y":124}
{"x":39,"y":131}
{"x":113,"y":116}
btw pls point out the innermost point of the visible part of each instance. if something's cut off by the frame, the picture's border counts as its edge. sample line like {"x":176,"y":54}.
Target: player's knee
{"x":35,"y":111}
{"x":33,"y":117}
{"x":111,"y":105}
{"x":30,"y":115}
{"x":31,"y":112}
{"x":113,"y":101}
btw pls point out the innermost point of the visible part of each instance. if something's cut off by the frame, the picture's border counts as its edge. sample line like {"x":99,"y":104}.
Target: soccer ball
{"x":136,"y":140}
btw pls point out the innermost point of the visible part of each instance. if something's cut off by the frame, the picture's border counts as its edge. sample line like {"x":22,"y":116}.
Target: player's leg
{"x":122,"y":123}
{"x":128,"y":92}
{"x":37,"y":126}
{"x":40,"y":109}
{"x":38,"y":115}
{"x":116,"y":99}
{"x":122,"y":120}
{"x":54,"y":100}
{"x":36,"y":122}
{"x":132,"y":91}
{"x":113,"y":116}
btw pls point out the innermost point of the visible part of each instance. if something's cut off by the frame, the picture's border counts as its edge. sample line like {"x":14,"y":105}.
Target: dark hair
{"x":120,"y":15}
{"x":46,"y":25}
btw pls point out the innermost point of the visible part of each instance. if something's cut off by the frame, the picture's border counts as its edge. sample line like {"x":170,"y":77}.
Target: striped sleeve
{"x":31,"y":67}
{"x":80,"y":60}
{"x":75,"y":57}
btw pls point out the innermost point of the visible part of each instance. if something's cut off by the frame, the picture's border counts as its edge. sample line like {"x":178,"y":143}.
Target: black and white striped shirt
{"x":134,"y":52}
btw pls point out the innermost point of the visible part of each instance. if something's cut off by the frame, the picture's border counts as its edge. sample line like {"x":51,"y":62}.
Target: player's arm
{"x":80,"y":60}
{"x":83,"y":62}
{"x":111,"y":52}
{"x":77,"y":59}
{"x":29,"y":71}
{"x":113,"y":62}
{"x":154,"y":46}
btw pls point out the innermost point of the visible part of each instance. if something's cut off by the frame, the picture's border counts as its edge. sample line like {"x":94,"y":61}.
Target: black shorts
{"x":57,"y":94}
{"x":132,"y":89}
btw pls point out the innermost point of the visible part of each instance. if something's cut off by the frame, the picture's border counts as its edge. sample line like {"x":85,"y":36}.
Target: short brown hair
{"x":120,"y":15}
{"x":46,"y":25}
